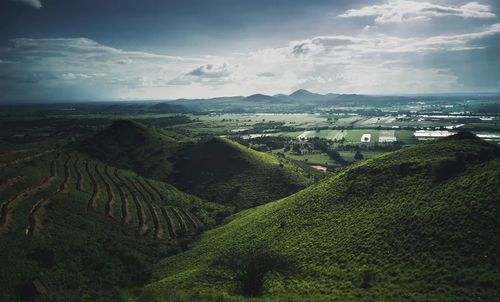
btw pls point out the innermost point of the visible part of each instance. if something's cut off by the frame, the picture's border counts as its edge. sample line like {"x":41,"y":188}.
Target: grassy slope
{"x":224,"y":171}
{"x":133,"y":146}
{"x":383,"y":220}
{"x":217,"y":169}
{"x":81,"y":254}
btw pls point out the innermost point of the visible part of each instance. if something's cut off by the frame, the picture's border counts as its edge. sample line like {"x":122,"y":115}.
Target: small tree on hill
{"x":250,"y":267}
{"x":358,"y":155}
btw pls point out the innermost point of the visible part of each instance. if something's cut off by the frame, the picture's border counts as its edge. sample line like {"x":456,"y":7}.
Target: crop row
{"x":35,"y":217}
{"x":13,"y":202}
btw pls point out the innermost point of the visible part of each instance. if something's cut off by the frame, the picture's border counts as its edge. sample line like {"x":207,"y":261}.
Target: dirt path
{"x":141,"y":216}
{"x":67,"y":175}
{"x":123,"y":198}
{"x":152,"y":207}
{"x":12,"y":181}
{"x":20,"y":160}
{"x":95,"y":187}
{"x":178,"y":215}
{"x":15,"y":152}
{"x":7,"y":206}
{"x":32,"y":219}
{"x":35,"y":218}
{"x":157,"y":229}
{"x":79,"y":177}
{"x":170,"y":223}
{"x":110,"y":200}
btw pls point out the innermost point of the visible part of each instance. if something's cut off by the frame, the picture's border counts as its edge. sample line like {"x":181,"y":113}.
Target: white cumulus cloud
{"x":396,"y":11}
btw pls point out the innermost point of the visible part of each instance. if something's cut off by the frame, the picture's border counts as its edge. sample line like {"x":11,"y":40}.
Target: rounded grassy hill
{"x":418,"y":224}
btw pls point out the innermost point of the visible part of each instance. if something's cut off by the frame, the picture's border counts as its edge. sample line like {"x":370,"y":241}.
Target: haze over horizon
{"x":56,"y":50}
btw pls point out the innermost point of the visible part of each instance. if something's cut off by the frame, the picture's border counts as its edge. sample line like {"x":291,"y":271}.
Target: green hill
{"x":76,"y":229}
{"x":131,"y":145}
{"x":224,"y":171}
{"x":216,"y":169}
{"x":418,"y":224}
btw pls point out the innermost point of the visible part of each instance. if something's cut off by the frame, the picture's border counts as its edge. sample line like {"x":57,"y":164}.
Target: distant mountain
{"x":281,"y":96}
{"x":260,"y":98}
{"x":420,"y":223}
{"x":303,"y":94}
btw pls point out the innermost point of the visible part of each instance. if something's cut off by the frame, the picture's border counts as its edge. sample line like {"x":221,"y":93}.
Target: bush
{"x":250,"y":267}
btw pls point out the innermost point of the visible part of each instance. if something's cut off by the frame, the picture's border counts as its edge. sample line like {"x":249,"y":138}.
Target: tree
{"x":358,"y":155}
{"x":250,"y":267}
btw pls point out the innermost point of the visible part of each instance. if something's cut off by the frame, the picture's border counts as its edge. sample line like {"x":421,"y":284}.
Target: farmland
{"x":128,"y":198}
{"x":47,"y":194}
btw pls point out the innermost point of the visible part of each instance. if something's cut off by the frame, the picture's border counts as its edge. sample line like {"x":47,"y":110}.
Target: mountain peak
{"x":302,"y":92}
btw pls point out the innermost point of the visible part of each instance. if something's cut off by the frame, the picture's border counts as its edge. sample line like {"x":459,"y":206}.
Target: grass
{"x":216,"y":169}
{"x":133,"y":146}
{"x":224,"y":171}
{"x":384,"y":229}
{"x":101,"y":253}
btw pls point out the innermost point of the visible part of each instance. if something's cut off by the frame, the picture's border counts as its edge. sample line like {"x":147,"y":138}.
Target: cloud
{"x":93,"y":67}
{"x":397,"y":11}
{"x":365,"y":62}
{"x":211,"y":71}
{"x":33,"y":3}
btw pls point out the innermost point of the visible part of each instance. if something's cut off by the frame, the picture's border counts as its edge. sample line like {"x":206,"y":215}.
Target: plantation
{"x":400,"y":226}
{"x":63,"y":214}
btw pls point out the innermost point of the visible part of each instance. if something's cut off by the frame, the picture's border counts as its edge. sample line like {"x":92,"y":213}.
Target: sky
{"x":164,"y":49}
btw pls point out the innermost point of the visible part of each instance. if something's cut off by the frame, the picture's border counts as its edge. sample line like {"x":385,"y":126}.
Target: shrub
{"x":250,"y":267}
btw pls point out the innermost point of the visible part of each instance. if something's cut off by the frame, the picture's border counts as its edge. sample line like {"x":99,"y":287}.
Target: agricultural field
{"x":111,"y":194}
{"x":48,"y":194}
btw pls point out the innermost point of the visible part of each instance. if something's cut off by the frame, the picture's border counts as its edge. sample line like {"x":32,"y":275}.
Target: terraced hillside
{"x":216,"y":169}
{"x":418,"y":224}
{"x":131,"y":145}
{"x":63,"y":214}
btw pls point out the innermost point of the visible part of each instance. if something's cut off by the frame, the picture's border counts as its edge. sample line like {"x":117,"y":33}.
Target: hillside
{"x":224,"y":171}
{"x":131,"y":145}
{"x":76,"y":229}
{"x":260,"y":98}
{"x":216,"y":169}
{"x":418,"y":224}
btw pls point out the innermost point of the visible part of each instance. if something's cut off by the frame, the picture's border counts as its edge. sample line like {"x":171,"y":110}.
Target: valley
{"x":351,"y":201}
